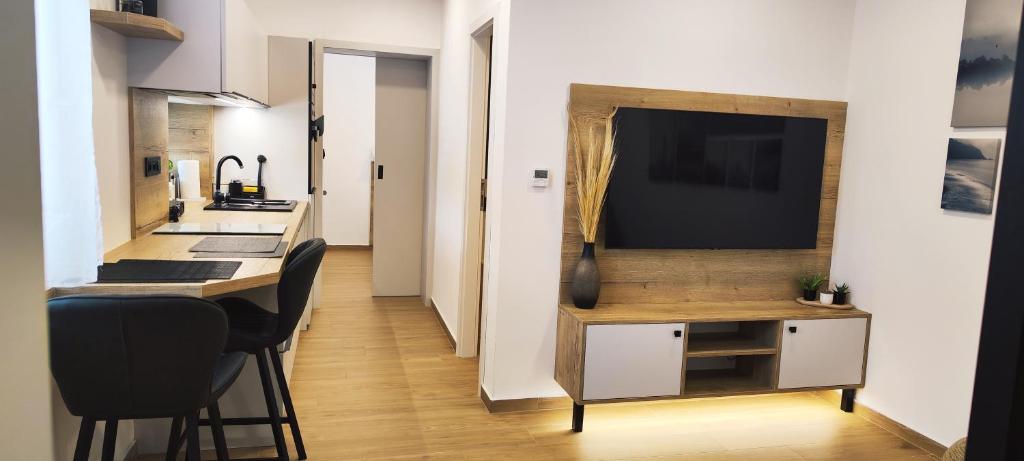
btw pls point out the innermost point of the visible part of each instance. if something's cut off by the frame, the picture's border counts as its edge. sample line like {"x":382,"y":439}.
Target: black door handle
{"x":678,"y":333}
{"x":792,"y":329}
{"x":380,"y":171}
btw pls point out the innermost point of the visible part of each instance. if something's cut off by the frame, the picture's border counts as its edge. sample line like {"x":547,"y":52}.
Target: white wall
{"x":920,"y":270}
{"x":110,"y":133}
{"x":392,"y":22}
{"x":25,"y":423}
{"x":462,"y":18}
{"x":349,"y":90}
{"x":279,"y":133}
{"x":792,"y":48}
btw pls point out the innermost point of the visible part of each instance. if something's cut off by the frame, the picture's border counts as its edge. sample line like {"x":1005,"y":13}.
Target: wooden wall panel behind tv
{"x":671,"y":276}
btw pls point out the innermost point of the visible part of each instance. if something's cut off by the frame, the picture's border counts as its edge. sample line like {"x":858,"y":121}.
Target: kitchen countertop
{"x":254,"y":272}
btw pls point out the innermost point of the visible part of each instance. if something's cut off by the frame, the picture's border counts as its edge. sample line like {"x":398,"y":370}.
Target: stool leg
{"x":217,"y":428}
{"x":109,"y":439}
{"x":85,"y":431}
{"x":275,"y":417}
{"x":286,"y":395}
{"x":192,"y":428}
{"x":173,"y":440}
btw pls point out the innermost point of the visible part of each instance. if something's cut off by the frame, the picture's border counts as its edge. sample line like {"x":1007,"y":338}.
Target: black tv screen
{"x":715,"y":181}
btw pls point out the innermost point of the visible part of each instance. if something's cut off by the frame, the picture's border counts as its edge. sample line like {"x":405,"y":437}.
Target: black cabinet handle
{"x":792,"y":329}
{"x":678,"y":333}
{"x":380,"y":171}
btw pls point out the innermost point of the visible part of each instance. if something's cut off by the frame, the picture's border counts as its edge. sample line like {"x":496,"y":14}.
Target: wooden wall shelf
{"x":137,"y":25}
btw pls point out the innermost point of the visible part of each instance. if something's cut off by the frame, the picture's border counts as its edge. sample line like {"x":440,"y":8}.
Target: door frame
{"x":468,"y":335}
{"x":432,"y":58}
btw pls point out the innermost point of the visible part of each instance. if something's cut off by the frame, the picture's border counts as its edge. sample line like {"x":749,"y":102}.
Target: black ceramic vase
{"x":810,"y":295}
{"x":840,"y":298}
{"x":586,"y":280}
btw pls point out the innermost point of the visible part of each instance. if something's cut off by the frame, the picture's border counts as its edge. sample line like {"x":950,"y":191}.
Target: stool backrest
{"x":135,"y":356}
{"x":296,"y":281}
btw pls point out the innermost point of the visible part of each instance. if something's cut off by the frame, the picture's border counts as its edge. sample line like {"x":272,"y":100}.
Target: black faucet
{"x":218,"y":196}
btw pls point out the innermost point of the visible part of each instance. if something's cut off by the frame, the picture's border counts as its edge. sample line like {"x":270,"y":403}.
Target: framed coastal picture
{"x":988,"y":51}
{"x":970,"y":182}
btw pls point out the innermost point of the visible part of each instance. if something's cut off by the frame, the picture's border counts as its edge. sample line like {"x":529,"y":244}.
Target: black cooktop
{"x":253,"y":205}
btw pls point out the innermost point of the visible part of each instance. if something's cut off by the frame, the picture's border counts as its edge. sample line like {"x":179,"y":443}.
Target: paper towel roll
{"x":188,"y":174}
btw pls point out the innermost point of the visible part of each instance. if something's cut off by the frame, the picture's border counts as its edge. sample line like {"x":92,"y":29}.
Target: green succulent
{"x":842,"y":289}
{"x":811,"y":281}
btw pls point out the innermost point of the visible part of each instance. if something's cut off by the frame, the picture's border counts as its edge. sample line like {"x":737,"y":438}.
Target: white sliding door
{"x":401,"y":154}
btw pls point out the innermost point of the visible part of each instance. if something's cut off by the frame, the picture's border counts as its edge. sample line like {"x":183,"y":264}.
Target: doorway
{"x":474,"y":258}
{"x":376,"y":172}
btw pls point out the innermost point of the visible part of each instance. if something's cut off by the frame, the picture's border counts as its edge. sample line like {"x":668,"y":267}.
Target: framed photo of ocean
{"x":988,"y":51}
{"x":970,"y":181}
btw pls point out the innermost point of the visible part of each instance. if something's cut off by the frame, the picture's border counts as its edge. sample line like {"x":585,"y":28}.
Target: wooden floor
{"x":376,"y":379}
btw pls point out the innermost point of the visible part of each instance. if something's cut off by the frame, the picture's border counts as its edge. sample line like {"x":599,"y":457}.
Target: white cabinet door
{"x":821,"y":353}
{"x":637,"y":360}
{"x":245,"y":52}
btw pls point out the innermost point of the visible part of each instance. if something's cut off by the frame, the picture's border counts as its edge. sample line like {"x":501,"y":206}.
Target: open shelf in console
{"x":713,"y":376}
{"x":730,"y":339}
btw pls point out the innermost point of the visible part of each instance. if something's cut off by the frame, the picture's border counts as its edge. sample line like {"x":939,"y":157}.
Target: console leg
{"x":577,"y":417}
{"x":848,"y":397}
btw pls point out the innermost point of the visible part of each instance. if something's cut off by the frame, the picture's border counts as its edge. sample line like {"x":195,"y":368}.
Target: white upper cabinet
{"x":224,"y":51}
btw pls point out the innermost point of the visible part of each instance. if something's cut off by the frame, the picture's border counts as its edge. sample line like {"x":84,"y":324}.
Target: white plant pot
{"x":826,"y":298}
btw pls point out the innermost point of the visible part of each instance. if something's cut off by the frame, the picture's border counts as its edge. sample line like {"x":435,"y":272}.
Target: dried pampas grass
{"x":594,"y":158}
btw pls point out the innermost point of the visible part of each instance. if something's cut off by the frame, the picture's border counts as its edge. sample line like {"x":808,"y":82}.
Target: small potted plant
{"x":810,"y":284}
{"x":827,"y":297}
{"x":842,"y":293}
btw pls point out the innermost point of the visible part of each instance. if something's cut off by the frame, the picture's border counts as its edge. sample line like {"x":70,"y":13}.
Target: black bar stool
{"x":140,"y":357}
{"x":257,"y":331}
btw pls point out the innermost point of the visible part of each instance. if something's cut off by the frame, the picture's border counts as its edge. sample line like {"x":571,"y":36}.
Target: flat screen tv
{"x":707,"y":180}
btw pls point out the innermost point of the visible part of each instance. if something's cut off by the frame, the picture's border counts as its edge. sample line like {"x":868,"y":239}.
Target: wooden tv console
{"x":629,"y":352}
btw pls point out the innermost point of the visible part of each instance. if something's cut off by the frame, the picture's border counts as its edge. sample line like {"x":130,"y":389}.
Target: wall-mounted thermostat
{"x":540,"y":178}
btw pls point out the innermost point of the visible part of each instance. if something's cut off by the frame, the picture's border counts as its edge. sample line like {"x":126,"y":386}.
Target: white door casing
{"x":822,"y":353}
{"x":633,"y":360}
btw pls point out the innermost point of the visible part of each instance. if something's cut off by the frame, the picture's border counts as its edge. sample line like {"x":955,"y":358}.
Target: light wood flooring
{"x":376,"y":379}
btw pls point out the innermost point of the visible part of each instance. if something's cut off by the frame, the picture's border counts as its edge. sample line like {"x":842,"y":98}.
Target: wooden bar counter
{"x":254,"y":272}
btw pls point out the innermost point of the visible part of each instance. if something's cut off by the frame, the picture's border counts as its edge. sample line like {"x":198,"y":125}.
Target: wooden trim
{"x":440,"y":321}
{"x":667,"y":276}
{"x":529,"y":404}
{"x":137,"y":25}
{"x":890,"y":425}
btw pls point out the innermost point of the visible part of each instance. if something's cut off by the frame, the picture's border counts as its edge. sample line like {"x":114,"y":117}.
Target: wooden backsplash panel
{"x":147,"y":116}
{"x":667,"y":276}
{"x":190,"y":137}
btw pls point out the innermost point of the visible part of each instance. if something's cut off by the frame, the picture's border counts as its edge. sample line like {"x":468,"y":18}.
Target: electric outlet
{"x":152,"y":166}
